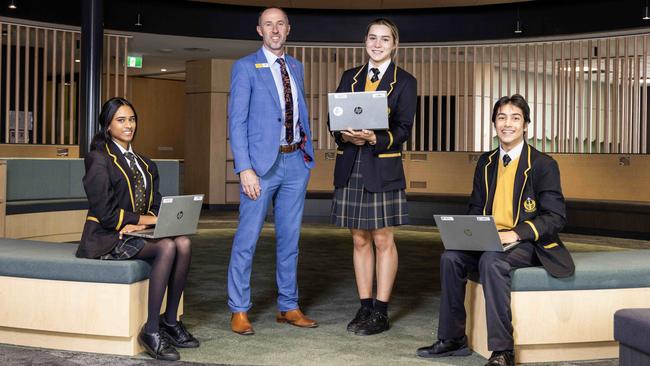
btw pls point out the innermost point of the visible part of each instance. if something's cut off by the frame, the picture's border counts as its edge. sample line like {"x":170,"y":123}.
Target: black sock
{"x":381,"y":307}
{"x":367,"y":303}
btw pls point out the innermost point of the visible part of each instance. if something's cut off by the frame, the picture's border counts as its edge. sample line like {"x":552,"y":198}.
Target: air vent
{"x":417,"y":156}
{"x":418,"y":184}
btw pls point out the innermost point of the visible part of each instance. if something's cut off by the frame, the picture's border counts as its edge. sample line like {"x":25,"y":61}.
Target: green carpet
{"x":327,"y":293}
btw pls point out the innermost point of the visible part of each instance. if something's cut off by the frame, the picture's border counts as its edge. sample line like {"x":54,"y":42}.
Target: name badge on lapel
{"x":260,"y":66}
{"x":530,"y":205}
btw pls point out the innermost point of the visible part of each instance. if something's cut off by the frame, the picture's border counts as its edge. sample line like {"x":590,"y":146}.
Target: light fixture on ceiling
{"x":12,"y":4}
{"x":138,"y":22}
{"x":77,"y":60}
{"x":163,"y":70}
{"x":646,"y":11}
{"x":518,"y":29}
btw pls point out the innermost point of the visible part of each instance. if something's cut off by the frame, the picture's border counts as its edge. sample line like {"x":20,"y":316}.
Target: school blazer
{"x":538,"y":207}
{"x":255,"y":115}
{"x":381,"y":166}
{"x":109,"y":185}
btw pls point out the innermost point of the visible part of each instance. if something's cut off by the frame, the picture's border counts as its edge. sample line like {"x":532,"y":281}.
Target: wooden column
{"x":206,"y":166}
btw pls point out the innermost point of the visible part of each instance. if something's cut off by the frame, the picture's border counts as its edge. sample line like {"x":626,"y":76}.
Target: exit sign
{"x":134,"y":61}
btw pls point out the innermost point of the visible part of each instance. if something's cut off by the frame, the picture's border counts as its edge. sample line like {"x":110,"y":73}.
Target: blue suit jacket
{"x":255,"y":117}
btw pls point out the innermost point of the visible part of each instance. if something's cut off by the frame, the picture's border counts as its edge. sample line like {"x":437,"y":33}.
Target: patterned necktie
{"x":375,"y":76}
{"x":506,"y":160}
{"x":288,"y":101}
{"x":140,"y":205}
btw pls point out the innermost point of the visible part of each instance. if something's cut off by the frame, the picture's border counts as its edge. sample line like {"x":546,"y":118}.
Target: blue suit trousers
{"x":284,"y":185}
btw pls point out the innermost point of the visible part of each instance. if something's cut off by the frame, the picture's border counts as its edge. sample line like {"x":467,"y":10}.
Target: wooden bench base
{"x":76,"y":316}
{"x":55,"y":226}
{"x":554,"y":326}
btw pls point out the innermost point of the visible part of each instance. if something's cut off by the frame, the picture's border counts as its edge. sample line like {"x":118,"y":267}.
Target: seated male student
{"x":520,"y":187}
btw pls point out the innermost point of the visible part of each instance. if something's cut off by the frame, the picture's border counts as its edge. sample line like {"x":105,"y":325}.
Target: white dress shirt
{"x":513,"y":153}
{"x":277,"y":77}
{"x":382,"y":69}
{"x":124,"y":151}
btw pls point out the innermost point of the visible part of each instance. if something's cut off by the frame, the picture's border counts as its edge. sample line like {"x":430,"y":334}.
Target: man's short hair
{"x":259,"y":16}
{"x":517,"y":100}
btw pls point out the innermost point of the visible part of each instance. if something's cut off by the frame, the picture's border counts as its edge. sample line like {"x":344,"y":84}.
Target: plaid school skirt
{"x":125,"y":249}
{"x":356,"y":208}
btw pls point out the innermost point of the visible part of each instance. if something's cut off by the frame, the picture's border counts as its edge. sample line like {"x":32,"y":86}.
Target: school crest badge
{"x":530,"y":205}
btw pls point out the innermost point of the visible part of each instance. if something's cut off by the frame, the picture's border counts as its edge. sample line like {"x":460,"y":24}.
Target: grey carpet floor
{"x":328,"y":294}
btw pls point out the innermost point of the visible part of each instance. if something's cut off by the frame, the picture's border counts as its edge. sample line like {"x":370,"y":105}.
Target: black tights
{"x":171,"y":263}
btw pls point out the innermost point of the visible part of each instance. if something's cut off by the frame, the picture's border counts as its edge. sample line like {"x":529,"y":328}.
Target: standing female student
{"x":122,"y":191}
{"x":369,"y":196}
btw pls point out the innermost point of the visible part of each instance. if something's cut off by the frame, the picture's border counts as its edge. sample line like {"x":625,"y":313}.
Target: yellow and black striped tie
{"x":140,"y":205}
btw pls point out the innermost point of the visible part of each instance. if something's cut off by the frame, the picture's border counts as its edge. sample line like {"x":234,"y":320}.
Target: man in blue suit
{"x":271,"y":143}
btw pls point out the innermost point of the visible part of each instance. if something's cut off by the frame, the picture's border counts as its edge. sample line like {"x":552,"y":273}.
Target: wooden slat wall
{"x":40,"y":82}
{"x":585,"y":96}
{"x":114,"y":66}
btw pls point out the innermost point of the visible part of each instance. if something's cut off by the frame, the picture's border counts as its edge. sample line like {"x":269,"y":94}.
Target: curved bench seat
{"x":596,"y":270}
{"x":99,"y":305}
{"x":571,"y":318}
{"x":33,"y":259}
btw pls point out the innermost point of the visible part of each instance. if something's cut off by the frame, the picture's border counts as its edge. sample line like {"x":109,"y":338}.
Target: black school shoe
{"x":446,"y":347}
{"x":377,"y":323}
{"x":364,"y":313}
{"x":157,"y":346}
{"x":501,"y":358}
{"x":178,"y":334}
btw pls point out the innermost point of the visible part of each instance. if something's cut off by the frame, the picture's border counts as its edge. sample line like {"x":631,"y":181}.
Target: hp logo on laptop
{"x":179,"y":215}
{"x":358,"y":110}
{"x":468,"y":232}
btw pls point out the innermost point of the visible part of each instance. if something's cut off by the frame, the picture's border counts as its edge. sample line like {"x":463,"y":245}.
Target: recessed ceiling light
{"x":165,"y":50}
{"x":77,"y":60}
{"x":163,"y":70}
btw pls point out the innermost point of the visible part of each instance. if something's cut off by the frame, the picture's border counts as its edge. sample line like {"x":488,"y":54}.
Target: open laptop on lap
{"x":358,"y":111}
{"x":470,"y":232}
{"x":178,"y":215}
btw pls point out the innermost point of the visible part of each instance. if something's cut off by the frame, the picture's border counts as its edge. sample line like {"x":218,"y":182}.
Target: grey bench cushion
{"x":56,"y":261}
{"x":169,"y":172}
{"x":594,"y":270}
{"x":632,"y":328}
{"x":42,"y":179}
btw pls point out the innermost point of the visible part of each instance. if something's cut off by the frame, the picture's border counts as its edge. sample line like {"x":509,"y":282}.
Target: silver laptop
{"x":358,"y":111}
{"x":470,"y":232}
{"x":178,"y":215}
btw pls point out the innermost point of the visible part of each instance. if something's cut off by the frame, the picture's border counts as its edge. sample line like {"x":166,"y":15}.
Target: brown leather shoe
{"x":239,"y":324}
{"x":297,"y":318}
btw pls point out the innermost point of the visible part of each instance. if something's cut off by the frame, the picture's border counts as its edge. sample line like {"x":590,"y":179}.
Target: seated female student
{"x":122,"y":191}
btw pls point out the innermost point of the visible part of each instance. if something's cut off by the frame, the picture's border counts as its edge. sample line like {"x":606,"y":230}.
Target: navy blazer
{"x":381,"y":169}
{"x":538,"y":208}
{"x":111,"y":203}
